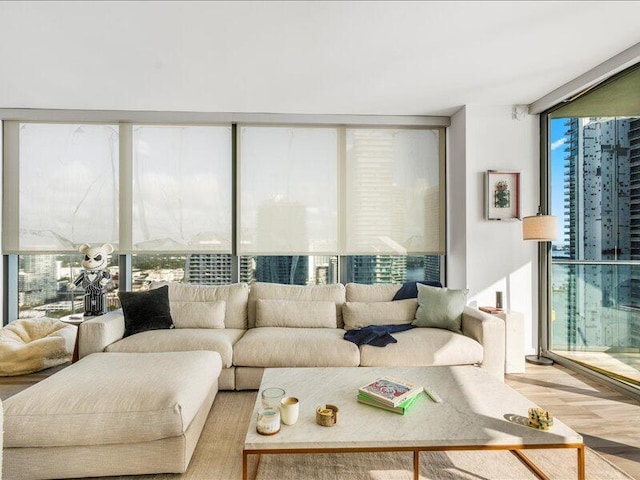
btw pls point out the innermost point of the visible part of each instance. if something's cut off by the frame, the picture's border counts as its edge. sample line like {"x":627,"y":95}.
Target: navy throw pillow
{"x":410,"y":289}
{"x":147,"y":310}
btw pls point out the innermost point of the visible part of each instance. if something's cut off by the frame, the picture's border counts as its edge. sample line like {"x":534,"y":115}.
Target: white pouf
{"x":31,"y":345}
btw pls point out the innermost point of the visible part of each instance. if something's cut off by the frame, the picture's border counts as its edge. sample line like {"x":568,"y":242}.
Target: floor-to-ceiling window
{"x":594,"y":165}
{"x":216,"y":203}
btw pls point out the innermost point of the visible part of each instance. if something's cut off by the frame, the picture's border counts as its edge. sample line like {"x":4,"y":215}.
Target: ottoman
{"x":111,"y":414}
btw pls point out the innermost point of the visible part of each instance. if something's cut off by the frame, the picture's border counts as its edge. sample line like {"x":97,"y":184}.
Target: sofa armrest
{"x":488,"y":330}
{"x":99,"y":332}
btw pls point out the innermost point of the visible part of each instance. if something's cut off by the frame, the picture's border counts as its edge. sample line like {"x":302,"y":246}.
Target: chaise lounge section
{"x":111,"y":414}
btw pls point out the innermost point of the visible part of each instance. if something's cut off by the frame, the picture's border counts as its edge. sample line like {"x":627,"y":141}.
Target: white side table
{"x":514,"y":341}
{"x":74,"y":319}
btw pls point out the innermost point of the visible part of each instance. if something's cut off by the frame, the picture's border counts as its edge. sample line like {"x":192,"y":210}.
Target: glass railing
{"x":595,"y":316}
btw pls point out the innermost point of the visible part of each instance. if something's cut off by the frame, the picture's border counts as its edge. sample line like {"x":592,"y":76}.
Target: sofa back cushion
{"x":440,"y":308}
{"x":293,"y":313}
{"x":235,"y":297}
{"x":198,"y":314}
{"x":361,"y":314}
{"x":358,"y":292}
{"x":301,"y":293}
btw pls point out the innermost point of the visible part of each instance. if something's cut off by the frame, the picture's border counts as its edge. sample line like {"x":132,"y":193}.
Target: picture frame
{"x":502,"y":195}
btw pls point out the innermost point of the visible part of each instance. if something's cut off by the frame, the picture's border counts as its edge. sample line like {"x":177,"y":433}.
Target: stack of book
{"x":389,"y":394}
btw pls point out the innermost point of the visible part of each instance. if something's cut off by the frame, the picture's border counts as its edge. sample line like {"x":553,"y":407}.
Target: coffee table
{"x":478,"y":412}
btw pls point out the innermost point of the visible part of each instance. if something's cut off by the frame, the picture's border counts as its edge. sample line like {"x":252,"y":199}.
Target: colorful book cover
{"x":400,"y":409}
{"x":390,"y":391}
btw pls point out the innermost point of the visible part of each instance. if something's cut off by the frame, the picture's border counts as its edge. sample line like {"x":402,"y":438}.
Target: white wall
{"x":494,"y":256}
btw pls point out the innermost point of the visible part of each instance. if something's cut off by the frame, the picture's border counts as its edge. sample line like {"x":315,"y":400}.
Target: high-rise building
{"x":377,"y":268}
{"x":293,"y":269}
{"x":35,"y":280}
{"x":215,"y":269}
{"x":598,"y":191}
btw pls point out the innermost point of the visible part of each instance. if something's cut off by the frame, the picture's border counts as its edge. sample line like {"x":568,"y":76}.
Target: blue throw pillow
{"x":410,"y":289}
{"x":146,"y":310}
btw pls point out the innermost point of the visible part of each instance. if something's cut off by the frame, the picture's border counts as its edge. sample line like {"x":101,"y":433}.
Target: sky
{"x":558,"y":139}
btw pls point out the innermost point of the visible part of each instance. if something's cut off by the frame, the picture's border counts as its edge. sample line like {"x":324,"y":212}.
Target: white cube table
{"x":478,"y":412}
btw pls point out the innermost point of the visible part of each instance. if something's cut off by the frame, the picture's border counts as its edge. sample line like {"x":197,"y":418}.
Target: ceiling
{"x":361,"y":57}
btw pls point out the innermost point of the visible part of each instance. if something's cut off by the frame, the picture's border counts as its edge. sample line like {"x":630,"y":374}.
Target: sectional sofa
{"x":137,"y":404}
{"x":271,"y":325}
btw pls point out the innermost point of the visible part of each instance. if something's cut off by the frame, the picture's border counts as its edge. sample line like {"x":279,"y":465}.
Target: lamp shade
{"x":541,"y":228}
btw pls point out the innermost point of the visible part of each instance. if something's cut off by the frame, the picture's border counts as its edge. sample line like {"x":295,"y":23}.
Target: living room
{"x":473,"y":84}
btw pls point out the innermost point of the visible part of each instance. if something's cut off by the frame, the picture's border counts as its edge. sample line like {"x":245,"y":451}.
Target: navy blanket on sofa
{"x":376,"y":335}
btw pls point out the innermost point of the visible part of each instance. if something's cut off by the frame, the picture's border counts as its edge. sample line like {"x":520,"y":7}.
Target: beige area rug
{"x":218,"y":456}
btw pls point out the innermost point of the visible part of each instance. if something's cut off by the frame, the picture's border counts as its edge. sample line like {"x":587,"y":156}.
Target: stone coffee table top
{"x":477,"y":410}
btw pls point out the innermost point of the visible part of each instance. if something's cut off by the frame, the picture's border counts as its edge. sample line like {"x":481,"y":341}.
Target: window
{"x":67,"y":177}
{"x":392,"y":268}
{"x":594,"y":160}
{"x":182,"y":188}
{"x":42,"y":285}
{"x":215,"y":204}
{"x":288,"y":190}
{"x":68,"y":194}
{"x":393,"y":194}
{"x":290,"y":269}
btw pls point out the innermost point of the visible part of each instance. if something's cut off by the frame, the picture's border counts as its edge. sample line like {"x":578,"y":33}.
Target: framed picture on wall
{"x":502,"y":195}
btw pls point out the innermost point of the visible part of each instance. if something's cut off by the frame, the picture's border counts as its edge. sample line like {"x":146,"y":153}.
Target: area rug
{"x":473,"y":465}
{"x":218,"y":456}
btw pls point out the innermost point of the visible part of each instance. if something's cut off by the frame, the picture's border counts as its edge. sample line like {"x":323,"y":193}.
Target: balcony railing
{"x":595,"y":316}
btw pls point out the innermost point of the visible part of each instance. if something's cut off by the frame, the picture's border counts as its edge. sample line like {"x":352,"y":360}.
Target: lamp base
{"x":538,"y":360}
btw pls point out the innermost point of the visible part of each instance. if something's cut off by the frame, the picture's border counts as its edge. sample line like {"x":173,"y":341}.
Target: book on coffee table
{"x":390,"y":391}
{"x":401,"y":408}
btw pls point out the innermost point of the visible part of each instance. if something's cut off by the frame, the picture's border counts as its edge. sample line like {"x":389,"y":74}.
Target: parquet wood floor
{"x":608,"y":420}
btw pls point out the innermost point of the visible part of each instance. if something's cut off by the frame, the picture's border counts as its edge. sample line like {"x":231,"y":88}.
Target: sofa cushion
{"x":359,"y":292}
{"x":198,"y":314}
{"x":295,"y":347}
{"x":112,"y":399}
{"x":361,"y":314}
{"x":181,"y":340}
{"x":145,"y":310}
{"x":423,"y":347}
{"x":440,"y":308}
{"x":301,"y":293}
{"x":289,"y":313}
{"x":234,"y":295}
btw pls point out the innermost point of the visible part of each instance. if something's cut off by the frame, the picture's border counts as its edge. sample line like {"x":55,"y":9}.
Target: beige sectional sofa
{"x":271,"y":325}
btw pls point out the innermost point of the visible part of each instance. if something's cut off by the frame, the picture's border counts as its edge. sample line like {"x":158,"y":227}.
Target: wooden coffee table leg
{"x":244,"y":465}
{"x":582,"y":473}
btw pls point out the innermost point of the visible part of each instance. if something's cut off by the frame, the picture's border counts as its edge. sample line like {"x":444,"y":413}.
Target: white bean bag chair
{"x":31,"y":345}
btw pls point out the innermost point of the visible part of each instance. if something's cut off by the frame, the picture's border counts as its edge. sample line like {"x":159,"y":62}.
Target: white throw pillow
{"x":289,"y":313}
{"x":198,"y":314}
{"x":361,"y":314}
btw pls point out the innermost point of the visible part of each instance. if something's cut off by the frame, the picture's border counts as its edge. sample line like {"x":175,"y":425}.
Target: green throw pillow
{"x":440,"y":308}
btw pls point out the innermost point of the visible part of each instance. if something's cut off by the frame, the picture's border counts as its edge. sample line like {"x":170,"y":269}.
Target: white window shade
{"x":288,"y":191}
{"x":182,"y":188}
{"x":393,"y":192}
{"x":68,"y":186}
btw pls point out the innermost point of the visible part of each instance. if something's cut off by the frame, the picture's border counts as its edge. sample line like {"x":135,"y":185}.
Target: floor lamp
{"x":542,"y":229}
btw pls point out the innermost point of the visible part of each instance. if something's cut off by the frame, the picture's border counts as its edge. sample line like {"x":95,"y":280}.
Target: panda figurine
{"x":94,"y":279}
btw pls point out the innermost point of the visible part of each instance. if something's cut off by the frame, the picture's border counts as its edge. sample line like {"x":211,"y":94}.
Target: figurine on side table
{"x":95,"y":279}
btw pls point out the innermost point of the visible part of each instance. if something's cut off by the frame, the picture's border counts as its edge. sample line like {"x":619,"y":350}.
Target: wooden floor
{"x":608,"y":420}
